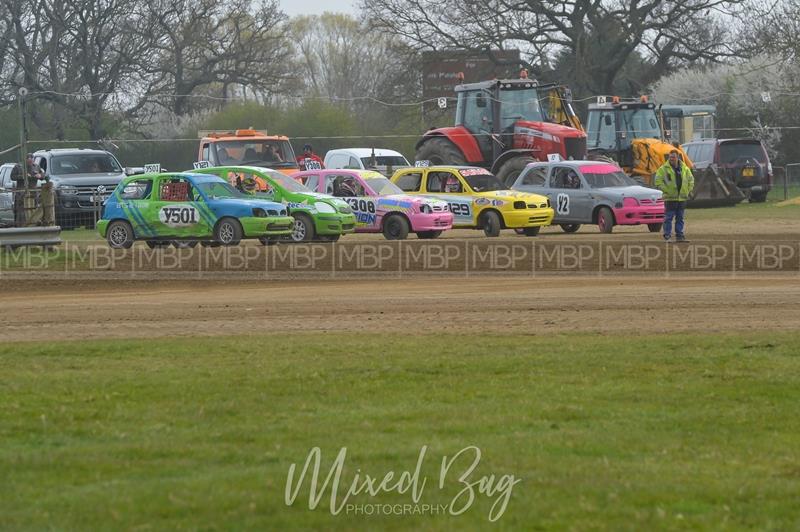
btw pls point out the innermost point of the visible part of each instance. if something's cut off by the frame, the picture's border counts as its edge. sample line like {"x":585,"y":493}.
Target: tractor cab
{"x":511,"y":113}
{"x":612,"y":127}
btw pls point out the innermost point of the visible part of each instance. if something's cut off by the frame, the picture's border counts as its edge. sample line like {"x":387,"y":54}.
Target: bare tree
{"x":208,"y":46}
{"x":667,"y":33}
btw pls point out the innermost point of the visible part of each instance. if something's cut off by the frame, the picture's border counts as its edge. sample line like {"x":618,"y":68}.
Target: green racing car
{"x":316,"y":216}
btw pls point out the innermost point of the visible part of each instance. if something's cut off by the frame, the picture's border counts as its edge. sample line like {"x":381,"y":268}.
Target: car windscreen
{"x":602,"y":176}
{"x":219,"y":190}
{"x":384,"y":160}
{"x":481,"y":181}
{"x":729,"y":152}
{"x":272,"y":153}
{"x":381,"y":185}
{"x":287,"y":182}
{"x":84,"y":163}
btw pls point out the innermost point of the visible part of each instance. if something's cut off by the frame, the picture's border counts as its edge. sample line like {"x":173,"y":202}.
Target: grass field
{"x":643,"y":432}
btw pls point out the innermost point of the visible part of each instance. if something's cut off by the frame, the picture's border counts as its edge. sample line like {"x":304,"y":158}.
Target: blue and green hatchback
{"x":185,"y":208}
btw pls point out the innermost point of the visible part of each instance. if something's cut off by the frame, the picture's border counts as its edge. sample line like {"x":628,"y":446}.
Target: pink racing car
{"x":379,"y":205}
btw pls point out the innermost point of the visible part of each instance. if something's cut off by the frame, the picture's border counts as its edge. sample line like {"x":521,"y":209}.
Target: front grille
{"x":650,"y":202}
{"x":347,"y":226}
{"x":278,"y":226}
{"x":536,"y":219}
{"x":575,"y":147}
{"x":440,"y":223}
{"x":535,"y":206}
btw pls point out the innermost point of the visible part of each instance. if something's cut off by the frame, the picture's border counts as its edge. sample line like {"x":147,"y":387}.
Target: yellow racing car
{"x":477,"y":199}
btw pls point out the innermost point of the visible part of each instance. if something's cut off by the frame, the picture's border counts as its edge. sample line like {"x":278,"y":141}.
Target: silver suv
{"x":83,"y":179}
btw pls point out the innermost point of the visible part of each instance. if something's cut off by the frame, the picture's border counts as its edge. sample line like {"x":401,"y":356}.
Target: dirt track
{"x":114,"y":309}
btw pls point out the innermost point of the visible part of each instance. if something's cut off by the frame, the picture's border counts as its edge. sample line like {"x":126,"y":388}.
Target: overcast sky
{"x":317,"y":7}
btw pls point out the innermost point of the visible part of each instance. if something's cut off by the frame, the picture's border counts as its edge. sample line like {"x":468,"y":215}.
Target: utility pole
{"x":23,"y":135}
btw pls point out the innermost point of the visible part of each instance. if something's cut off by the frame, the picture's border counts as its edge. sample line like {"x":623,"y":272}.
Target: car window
{"x":353,"y":164}
{"x":338,"y":160}
{"x":564,"y":177}
{"x":42,"y":162}
{"x":137,"y":190}
{"x":729,"y":152}
{"x":4,"y":181}
{"x":205,"y":155}
{"x":343,"y":186}
{"x":705,"y":152}
{"x":311,"y":181}
{"x":443,"y":182}
{"x":175,"y":189}
{"x":410,"y":182}
{"x":534,"y":176}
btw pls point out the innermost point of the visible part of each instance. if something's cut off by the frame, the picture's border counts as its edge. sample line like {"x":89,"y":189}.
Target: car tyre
{"x":395,"y":227}
{"x":531,"y":231}
{"x":119,"y":234}
{"x":490,"y":223}
{"x":303,"y":230}
{"x":228,"y":232}
{"x":654,"y":228}
{"x":570,"y":228}
{"x":428,"y":235}
{"x":760,"y":197}
{"x":605,"y":220}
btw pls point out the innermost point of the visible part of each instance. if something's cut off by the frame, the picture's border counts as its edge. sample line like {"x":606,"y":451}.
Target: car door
{"x":569,"y":195}
{"x":450,"y":187}
{"x":6,"y":196}
{"x":349,"y":188}
{"x":176,"y":209}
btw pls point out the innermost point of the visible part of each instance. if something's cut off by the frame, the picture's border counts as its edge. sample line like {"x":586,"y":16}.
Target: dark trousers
{"x":674,"y":210}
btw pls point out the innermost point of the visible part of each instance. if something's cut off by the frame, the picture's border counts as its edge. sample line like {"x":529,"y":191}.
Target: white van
{"x":384,"y":161}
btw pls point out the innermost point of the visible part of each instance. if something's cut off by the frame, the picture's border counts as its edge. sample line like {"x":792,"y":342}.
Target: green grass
{"x":660,"y":431}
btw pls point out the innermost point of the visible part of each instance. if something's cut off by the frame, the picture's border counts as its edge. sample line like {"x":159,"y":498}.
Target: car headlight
{"x":258,"y":212}
{"x":424,"y":208}
{"x":519,"y":205}
{"x":324,"y":208}
{"x":630,"y":202}
{"x":68,"y":190}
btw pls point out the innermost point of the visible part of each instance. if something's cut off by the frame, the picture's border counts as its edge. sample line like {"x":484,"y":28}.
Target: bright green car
{"x":316,"y":216}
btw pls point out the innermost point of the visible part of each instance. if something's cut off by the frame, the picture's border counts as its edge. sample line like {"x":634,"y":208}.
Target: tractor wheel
{"x":490,"y":223}
{"x":654,"y":228}
{"x":605,"y":220}
{"x":510,"y":170}
{"x":439,"y":150}
{"x":570,"y":228}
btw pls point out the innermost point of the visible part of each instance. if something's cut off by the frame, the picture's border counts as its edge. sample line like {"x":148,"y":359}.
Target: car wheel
{"x":531,"y":231}
{"x":268,"y":240}
{"x":570,"y":228}
{"x":428,"y":235}
{"x":395,"y":227}
{"x":605,"y":220}
{"x":303,"y":229}
{"x":654,"y":228}
{"x":760,"y":197}
{"x":228,"y":232}
{"x":490,"y":223}
{"x":119,"y":235}
{"x":184,"y":244}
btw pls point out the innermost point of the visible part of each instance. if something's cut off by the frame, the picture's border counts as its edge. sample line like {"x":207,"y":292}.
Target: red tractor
{"x":503,"y":125}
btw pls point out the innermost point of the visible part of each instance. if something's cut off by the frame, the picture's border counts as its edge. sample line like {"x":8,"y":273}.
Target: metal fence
{"x":786,"y":182}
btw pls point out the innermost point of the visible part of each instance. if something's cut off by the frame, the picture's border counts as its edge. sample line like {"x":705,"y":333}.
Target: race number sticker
{"x":311,"y":164}
{"x":201,"y":164}
{"x":152,"y":168}
{"x":461,"y":210}
{"x":178,"y":215}
{"x":422,"y":164}
{"x":364,"y":211}
{"x":562,"y":203}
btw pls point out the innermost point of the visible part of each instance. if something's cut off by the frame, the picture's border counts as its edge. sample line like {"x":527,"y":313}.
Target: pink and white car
{"x":379,"y":205}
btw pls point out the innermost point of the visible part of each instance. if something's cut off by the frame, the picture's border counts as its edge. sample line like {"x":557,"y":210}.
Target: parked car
{"x":379,"y":206}
{"x":477,"y":199}
{"x":585,"y":192}
{"x":83,"y":179}
{"x":378,"y":159}
{"x":744,"y":161}
{"x":316,"y":216}
{"x":7,"y":186}
{"x":184,"y":208}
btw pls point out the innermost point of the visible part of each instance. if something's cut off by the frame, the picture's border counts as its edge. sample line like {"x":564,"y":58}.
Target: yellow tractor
{"x":631,"y":133}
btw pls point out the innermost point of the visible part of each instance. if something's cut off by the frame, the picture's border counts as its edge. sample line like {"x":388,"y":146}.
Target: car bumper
{"x":335,"y":224}
{"x":440,"y":221}
{"x":642,"y":214}
{"x":528,"y":217}
{"x":271,"y":225}
{"x":102,"y":227}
